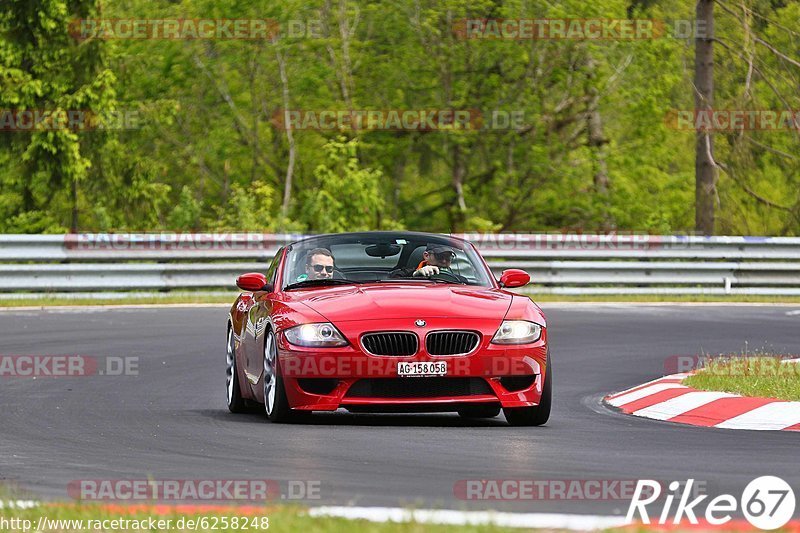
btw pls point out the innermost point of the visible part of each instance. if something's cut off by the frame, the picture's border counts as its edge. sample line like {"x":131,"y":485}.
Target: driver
{"x":319,"y":264}
{"x":434,"y":258}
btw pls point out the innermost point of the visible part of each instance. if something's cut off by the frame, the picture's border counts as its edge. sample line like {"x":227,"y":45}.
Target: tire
{"x":236,"y":404}
{"x":276,"y":405}
{"x":539,"y":414}
{"x":479,"y":411}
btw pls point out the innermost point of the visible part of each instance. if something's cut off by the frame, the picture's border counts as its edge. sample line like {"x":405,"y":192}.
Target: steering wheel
{"x":446,"y":275}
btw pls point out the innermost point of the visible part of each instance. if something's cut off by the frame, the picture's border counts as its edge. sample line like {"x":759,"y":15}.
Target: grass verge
{"x":767,"y":377}
{"x":201,"y":298}
{"x":133,"y":300}
{"x":664,"y":298}
{"x":76,"y":517}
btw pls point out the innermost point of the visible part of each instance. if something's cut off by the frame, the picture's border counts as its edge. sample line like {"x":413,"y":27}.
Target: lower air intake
{"x":428,"y":387}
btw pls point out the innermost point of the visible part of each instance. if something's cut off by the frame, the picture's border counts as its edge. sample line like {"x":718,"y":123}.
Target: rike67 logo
{"x":768,"y":502}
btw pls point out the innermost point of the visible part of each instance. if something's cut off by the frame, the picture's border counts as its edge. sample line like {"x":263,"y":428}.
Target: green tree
{"x":44,"y":69}
{"x":346,"y":196}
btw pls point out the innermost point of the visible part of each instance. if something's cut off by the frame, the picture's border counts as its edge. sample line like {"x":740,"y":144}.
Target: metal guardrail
{"x":558,"y":263}
{"x":257,"y":246}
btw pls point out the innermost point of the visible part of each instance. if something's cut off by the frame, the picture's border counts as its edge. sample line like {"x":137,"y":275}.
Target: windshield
{"x":380,"y":257}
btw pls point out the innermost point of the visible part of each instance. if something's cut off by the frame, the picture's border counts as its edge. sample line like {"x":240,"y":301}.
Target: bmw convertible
{"x":387,"y":322}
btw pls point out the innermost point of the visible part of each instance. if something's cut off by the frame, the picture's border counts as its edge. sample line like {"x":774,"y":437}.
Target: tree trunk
{"x":256,"y":154}
{"x":287,"y":186}
{"x":596,"y":141}
{"x":347,"y":65}
{"x":460,"y":209}
{"x":398,"y":173}
{"x":343,"y":67}
{"x":226,"y":180}
{"x":73,"y":226}
{"x":704,"y":170}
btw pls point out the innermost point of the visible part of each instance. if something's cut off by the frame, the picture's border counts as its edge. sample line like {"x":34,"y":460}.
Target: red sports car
{"x":387,"y":322}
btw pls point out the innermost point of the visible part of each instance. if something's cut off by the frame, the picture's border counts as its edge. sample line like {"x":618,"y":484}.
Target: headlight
{"x":315,"y":335}
{"x":517,"y":332}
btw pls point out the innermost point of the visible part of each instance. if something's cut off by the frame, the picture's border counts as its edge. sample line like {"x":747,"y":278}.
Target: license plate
{"x":422,"y":368}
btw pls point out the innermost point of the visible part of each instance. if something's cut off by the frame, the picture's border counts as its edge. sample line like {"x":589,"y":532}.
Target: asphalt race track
{"x":170,"y":421}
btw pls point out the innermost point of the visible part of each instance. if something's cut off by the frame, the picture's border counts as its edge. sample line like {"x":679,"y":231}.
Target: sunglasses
{"x":445,"y":256}
{"x":320,"y":268}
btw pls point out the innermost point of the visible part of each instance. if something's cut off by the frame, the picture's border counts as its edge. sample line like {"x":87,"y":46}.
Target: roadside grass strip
{"x":762,"y":377}
{"x":756,"y":393}
{"x":544,"y":522}
{"x":62,"y":517}
{"x":547,"y":521}
{"x":44,"y":299}
{"x":69,"y":517}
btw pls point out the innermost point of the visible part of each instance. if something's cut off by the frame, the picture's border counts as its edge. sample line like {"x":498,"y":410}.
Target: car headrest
{"x":416,"y":257}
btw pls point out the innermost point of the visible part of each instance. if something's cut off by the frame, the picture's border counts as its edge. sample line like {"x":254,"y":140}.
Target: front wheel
{"x":276,"y":404}
{"x":539,"y":414}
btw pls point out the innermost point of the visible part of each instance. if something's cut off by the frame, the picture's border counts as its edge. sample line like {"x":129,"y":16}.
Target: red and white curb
{"x":667,"y":399}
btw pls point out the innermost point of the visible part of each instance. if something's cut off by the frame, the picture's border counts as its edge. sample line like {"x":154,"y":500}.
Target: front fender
{"x":523,"y":308}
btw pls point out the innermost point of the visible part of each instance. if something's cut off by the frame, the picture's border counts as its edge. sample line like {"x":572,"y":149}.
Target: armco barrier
{"x":558,"y":263}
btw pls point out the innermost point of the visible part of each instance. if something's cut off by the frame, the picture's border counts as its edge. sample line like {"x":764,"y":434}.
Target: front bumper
{"x":330,"y":378}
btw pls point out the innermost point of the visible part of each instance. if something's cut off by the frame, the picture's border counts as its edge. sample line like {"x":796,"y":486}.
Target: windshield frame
{"x":483,"y":274}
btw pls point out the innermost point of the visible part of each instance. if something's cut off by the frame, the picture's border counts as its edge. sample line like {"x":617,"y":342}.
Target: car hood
{"x":406,"y":300}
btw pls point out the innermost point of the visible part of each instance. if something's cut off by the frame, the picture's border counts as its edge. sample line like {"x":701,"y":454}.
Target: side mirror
{"x":253,"y":281}
{"x":514,"y":277}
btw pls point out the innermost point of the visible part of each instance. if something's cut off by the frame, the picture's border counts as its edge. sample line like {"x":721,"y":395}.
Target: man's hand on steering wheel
{"x":447,"y":275}
{"x":440,"y":273}
{"x":426,"y":271}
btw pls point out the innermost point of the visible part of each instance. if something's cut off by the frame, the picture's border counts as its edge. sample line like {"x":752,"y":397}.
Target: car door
{"x":257,"y":320}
